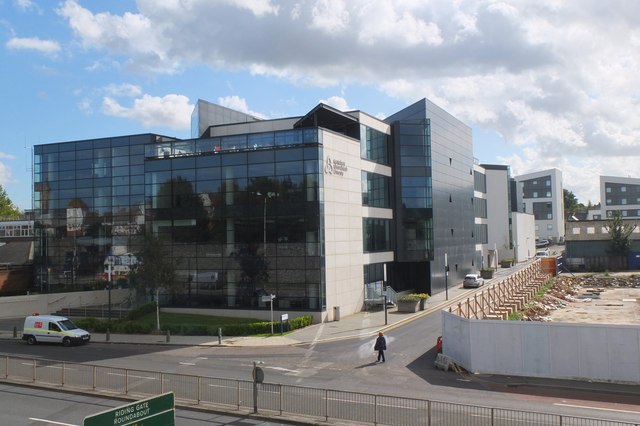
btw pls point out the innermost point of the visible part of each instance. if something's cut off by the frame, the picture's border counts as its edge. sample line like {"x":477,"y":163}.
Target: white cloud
{"x":554,"y":78}
{"x":337,"y":102}
{"x":5,"y":171}
{"x":330,"y":16}
{"x":171,"y":111}
{"x":124,"y":89}
{"x":33,"y":43}
{"x":239,"y":104}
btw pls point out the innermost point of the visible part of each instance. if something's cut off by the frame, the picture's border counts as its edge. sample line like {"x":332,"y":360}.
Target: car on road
{"x":472,"y":280}
{"x":542,"y":253}
{"x":542,"y":243}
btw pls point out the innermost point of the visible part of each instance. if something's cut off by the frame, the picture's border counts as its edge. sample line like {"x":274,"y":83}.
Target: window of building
{"x":376,"y":190}
{"x":549,"y":227}
{"x":575,"y":231}
{"x":608,"y":201}
{"x":623,"y":201}
{"x":548,"y":194}
{"x":623,"y":189}
{"x":374,"y":145}
{"x":535,"y":194}
{"x":376,"y":234}
{"x":608,"y":189}
{"x":548,"y":182}
{"x":549,"y":216}
{"x":624,"y":213}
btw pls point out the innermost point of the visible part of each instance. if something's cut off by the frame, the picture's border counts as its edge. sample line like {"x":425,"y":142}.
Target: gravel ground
{"x":589,"y":298}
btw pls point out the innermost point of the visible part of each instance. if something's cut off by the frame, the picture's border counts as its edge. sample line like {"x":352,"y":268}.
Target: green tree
{"x":7,"y":209}
{"x":571,"y":204}
{"x":158,"y":267}
{"x":620,"y":233}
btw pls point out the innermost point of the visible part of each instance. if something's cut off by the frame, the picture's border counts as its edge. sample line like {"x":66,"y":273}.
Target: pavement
{"x":361,"y":324}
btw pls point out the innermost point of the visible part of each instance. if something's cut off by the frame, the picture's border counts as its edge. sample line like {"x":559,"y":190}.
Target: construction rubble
{"x":573,"y":293}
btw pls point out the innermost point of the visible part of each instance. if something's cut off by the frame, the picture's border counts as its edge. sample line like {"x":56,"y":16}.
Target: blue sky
{"x":543,"y":84}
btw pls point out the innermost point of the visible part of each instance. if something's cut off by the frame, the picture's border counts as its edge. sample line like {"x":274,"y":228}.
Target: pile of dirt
{"x":572,"y":291}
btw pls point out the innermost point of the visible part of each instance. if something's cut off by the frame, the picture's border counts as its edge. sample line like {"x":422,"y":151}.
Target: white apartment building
{"x":541,"y":194}
{"x":619,"y":194}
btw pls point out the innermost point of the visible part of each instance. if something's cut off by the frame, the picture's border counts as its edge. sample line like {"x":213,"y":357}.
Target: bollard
{"x":15,"y":331}
{"x":108,"y":334}
{"x":168,"y":336}
{"x":219,"y":336}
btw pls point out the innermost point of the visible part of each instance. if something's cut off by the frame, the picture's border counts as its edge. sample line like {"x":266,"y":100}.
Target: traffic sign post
{"x":269,"y":298}
{"x":155,"y":411}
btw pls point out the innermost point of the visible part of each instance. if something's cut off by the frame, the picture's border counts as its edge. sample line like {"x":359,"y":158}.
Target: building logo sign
{"x":335,"y":167}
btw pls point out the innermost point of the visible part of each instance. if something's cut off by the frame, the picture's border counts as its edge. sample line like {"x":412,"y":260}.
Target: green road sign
{"x":155,"y":411}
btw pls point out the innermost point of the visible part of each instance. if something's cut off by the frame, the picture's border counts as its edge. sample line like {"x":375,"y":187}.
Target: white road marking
{"x":51,"y":422}
{"x":596,"y":408}
{"x":283,"y":369}
{"x":187,"y":363}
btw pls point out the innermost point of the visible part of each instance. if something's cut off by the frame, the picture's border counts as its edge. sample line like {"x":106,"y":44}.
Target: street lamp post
{"x":446,"y":276}
{"x":384,"y":291}
{"x":264,"y":217}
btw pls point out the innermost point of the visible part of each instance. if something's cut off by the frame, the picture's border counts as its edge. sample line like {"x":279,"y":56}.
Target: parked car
{"x":542,"y":243}
{"x":472,"y":280}
{"x":542,"y":253}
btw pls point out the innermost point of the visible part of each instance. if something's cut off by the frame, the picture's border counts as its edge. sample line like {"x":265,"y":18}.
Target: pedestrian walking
{"x":380,"y":346}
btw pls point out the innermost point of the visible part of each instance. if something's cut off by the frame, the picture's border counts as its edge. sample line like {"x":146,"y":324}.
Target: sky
{"x":542,"y":83}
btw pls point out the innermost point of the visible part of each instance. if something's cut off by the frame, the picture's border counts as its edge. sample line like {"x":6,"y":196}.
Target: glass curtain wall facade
{"x":240,"y":215}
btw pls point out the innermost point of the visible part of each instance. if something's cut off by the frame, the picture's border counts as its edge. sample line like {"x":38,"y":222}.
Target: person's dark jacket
{"x":381,"y":344}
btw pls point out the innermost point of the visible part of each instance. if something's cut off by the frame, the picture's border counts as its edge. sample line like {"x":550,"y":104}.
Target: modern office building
{"x":503,"y":232}
{"x":541,"y":194}
{"x":619,"y":194}
{"x":316,"y":210}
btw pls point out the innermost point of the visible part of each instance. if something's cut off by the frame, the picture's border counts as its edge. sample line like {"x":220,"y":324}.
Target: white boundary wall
{"x":599,"y":352}
{"x":20,"y":306}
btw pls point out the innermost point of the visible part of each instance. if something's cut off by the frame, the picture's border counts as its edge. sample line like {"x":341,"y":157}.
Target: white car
{"x":472,"y":280}
{"x":542,"y":253}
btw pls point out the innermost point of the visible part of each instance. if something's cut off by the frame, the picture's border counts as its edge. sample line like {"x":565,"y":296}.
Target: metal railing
{"x":271,"y":398}
{"x":505,"y":297}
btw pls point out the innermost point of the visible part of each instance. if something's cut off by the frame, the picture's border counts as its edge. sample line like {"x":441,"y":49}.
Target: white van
{"x":53,"y":329}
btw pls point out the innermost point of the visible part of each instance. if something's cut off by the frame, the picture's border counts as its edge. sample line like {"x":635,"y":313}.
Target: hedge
{"x":129,"y":326}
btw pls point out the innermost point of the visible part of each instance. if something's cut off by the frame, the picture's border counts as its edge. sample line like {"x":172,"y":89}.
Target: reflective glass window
{"x":267,"y":156}
{"x":265,"y":169}
{"x":234,"y":159}
{"x":120,"y":171}
{"x":188,"y":175}
{"x":85,"y":154}
{"x":233,"y":142}
{"x":120,"y":151}
{"x":260,"y":140}
{"x":183,"y":163}
{"x":290,"y":137}
{"x":289,"y":168}
{"x":120,"y":161}
{"x":152,"y":166}
{"x":289,"y":154}
{"x":234,"y":172}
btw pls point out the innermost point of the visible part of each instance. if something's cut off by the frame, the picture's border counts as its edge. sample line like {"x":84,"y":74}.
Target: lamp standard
{"x":264,"y":217}
{"x":446,"y":276}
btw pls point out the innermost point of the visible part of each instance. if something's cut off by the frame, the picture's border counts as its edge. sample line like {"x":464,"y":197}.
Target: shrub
{"x":420,"y":295}
{"x":408,"y":298}
{"x":141,"y":311}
